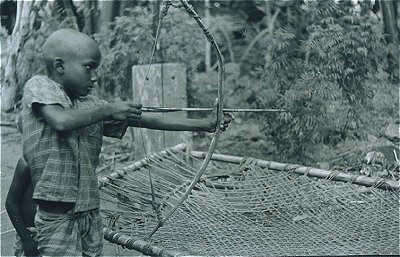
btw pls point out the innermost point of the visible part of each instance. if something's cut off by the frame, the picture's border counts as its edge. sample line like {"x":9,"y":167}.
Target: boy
{"x":62,"y":128}
{"x":21,"y":210}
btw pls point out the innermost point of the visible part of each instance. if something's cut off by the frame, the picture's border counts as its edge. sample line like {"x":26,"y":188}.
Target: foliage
{"x":350,"y":48}
{"x":342,"y":51}
{"x":322,"y":62}
{"x":124,"y":43}
{"x":129,"y":40}
{"x":319,"y":63}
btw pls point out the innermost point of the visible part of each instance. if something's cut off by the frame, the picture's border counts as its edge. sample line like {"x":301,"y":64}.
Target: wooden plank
{"x":174,"y":88}
{"x":164,"y":85}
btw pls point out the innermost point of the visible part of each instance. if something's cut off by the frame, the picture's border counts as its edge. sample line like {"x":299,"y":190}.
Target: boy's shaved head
{"x":66,"y":44}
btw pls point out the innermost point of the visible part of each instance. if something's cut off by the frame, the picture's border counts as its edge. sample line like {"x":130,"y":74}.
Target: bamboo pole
{"x":173,"y":109}
{"x":103,"y":181}
{"x":138,"y":245}
{"x":299,"y":169}
{"x":312,"y":172}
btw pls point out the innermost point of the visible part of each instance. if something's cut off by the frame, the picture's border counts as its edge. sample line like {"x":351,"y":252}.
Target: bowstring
{"x":162,"y":13}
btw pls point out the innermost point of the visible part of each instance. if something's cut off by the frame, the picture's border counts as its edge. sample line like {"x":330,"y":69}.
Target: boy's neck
{"x":55,"y":78}
{"x":59,"y":80}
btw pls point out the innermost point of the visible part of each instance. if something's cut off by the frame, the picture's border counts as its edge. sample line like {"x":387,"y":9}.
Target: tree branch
{"x":269,"y":30}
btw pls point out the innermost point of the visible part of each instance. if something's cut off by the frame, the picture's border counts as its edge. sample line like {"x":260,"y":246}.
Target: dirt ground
{"x":11,"y":150}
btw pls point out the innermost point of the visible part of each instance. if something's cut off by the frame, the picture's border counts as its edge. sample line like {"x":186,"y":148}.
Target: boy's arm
{"x":172,"y":123}
{"x":62,"y":119}
{"x":15,"y":195}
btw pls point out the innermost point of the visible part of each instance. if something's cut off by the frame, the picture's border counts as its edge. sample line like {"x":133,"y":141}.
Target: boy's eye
{"x":88,"y":67}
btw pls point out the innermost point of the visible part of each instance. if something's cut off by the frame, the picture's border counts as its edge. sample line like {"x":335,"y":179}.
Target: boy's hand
{"x":125,"y":110}
{"x":30,"y":248}
{"x":32,"y":253}
{"x":228,"y":117}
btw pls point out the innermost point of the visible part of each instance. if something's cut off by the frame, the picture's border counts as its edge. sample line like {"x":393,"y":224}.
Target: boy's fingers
{"x":135,"y":116}
{"x":223,"y":126}
{"x":230,"y":115}
{"x":135,"y":110}
{"x":138,"y":106}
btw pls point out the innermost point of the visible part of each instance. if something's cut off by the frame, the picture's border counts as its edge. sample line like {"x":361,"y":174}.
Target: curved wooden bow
{"x":189,"y":9}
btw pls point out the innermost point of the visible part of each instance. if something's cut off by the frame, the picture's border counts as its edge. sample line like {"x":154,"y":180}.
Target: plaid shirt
{"x":63,"y":163}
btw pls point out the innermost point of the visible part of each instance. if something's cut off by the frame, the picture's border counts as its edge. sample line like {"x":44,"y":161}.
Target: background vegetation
{"x":333,"y":65}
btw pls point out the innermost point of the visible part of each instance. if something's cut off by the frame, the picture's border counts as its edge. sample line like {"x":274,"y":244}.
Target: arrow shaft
{"x":173,"y":109}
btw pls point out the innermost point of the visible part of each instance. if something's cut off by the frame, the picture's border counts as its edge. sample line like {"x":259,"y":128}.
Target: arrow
{"x":172,"y":109}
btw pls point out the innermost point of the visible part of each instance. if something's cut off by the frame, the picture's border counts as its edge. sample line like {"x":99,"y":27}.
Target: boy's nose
{"x":93,"y":75}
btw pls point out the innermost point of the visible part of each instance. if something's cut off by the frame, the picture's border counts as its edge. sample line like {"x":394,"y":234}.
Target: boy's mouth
{"x":91,"y":86}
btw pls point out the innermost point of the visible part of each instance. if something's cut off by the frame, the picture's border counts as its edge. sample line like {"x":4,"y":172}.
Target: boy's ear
{"x":58,"y":65}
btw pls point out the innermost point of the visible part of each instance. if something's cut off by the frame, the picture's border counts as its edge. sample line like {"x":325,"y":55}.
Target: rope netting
{"x":249,"y":209}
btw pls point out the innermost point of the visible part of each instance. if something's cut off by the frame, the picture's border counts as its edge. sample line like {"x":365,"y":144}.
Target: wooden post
{"x":164,"y":86}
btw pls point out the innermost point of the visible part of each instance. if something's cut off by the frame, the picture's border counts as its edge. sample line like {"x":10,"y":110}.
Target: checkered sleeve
{"x":40,"y":89}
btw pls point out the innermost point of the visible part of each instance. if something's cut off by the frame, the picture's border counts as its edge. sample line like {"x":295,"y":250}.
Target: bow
{"x":190,"y":10}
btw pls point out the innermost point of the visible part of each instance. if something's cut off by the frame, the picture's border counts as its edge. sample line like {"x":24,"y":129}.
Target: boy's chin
{"x":81,"y":94}
{"x":85,"y":92}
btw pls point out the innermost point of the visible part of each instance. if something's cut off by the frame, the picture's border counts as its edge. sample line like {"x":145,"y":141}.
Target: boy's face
{"x":80,"y":70}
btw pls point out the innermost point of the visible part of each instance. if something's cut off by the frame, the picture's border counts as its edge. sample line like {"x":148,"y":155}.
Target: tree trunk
{"x":90,"y":16}
{"x":108,"y":10}
{"x":18,"y":36}
{"x":67,"y":13}
{"x":389,"y":12}
{"x":269,"y":30}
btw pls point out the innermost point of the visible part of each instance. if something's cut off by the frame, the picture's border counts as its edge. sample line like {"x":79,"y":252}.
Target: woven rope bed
{"x":245,"y":206}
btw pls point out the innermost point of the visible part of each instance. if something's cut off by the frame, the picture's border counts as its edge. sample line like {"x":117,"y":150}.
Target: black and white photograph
{"x":200,"y":128}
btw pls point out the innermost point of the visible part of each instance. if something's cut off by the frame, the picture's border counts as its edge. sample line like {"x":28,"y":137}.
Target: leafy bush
{"x":316,"y":68}
{"x":125,"y":42}
{"x":129,"y":39}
